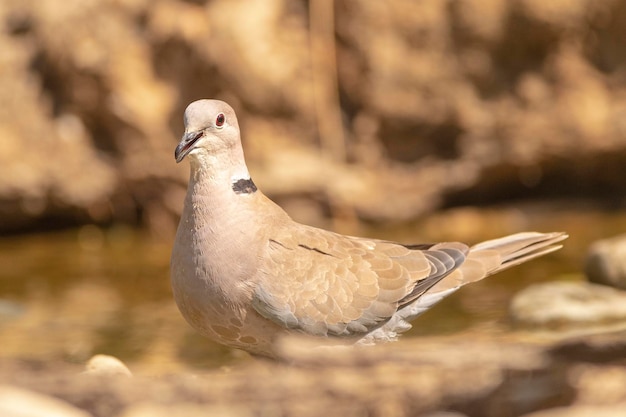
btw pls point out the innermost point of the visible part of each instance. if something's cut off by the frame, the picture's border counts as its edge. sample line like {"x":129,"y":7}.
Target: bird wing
{"x":324,"y":283}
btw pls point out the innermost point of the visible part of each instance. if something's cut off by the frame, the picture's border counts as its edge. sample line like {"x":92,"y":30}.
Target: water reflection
{"x":66,"y":296}
{"x":72,"y":294}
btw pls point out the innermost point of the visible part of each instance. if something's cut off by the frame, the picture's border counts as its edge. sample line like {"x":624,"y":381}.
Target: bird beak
{"x":186,"y":144}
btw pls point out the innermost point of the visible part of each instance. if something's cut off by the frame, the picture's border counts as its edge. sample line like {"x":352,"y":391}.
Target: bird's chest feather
{"x":215,"y":251}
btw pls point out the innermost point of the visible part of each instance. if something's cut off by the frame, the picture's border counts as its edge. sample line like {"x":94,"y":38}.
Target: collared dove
{"x":244,"y":273}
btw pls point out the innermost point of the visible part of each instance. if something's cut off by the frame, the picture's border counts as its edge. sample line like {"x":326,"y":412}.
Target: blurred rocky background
{"x":408,"y":120}
{"x":351,"y":109}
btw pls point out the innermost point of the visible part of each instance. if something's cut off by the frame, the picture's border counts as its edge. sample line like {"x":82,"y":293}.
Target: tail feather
{"x":483,"y":259}
{"x":492,"y":256}
{"x":519,"y":248}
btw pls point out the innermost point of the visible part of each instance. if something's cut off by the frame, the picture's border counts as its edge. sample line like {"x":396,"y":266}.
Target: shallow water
{"x":65,"y":296}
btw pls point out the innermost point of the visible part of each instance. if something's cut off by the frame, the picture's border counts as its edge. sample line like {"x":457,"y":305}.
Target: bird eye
{"x":219,"y":120}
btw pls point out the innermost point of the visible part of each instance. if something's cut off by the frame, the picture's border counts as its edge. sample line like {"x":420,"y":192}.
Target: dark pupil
{"x":220,"y":120}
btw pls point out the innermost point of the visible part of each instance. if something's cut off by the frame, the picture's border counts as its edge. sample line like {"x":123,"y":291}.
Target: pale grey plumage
{"x":243,"y":272}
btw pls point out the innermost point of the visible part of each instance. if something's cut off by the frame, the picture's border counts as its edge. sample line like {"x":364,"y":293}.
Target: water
{"x":65,"y":296}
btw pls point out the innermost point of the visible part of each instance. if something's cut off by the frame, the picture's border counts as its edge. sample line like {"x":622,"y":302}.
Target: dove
{"x":244,"y":274}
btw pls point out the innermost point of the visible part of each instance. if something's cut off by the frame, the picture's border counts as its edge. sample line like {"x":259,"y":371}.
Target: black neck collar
{"x":244,"y":186}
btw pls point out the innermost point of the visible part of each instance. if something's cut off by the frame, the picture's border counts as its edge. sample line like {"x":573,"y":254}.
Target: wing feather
{"x":324,"y":283}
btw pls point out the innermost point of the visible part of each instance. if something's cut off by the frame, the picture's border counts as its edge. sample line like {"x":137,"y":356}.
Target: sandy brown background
{"x":361,"y":110}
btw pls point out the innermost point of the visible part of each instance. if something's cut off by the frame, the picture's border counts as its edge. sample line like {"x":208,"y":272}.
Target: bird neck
{"x":220,"y":191}
{"x":219,"y":221}
{"x":216,"y":174}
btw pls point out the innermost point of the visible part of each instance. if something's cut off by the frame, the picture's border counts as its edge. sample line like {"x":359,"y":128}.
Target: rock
{"x":606,"y":262}
{"x":19,"y":402}
{"x":445,"y":414}
{"x":599,"y":384}
{"x":604,"y":347}
{"x":616,"y":410}
{"x":489,"y":378}
{"x":479,"y":378}
{"x":10,"y":310}
{"x":568,"y":304}
{"x":106,"y":365}
{"x":188,"y":409}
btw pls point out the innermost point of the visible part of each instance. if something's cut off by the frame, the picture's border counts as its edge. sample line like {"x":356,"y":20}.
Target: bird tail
{"x":483,"y":259}
{"x":491,"y":256}
{"x":518,"y":248}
